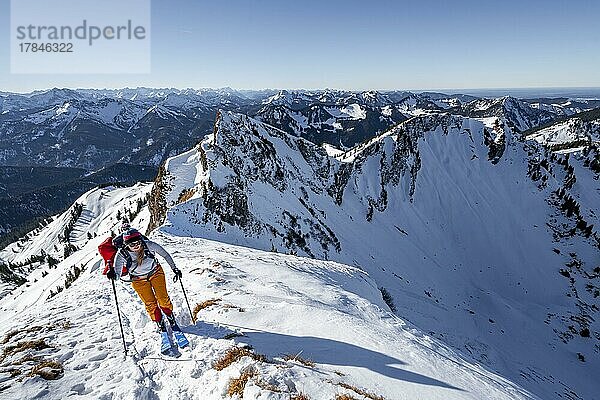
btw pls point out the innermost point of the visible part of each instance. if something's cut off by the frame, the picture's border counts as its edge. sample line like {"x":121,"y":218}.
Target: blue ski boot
{"x":165,"y":345}
{"x":179,"y":336}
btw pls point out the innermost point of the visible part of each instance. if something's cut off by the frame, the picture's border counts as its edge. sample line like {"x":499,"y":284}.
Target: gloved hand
{"x":111,"y":274}
{"x":177,"y":273}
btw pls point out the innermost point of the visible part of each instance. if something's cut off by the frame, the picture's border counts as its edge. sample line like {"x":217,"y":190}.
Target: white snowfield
{"x":320,"y":311}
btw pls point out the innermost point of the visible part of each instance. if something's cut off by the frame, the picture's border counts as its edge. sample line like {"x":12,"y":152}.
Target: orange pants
{"x":153,"y":292}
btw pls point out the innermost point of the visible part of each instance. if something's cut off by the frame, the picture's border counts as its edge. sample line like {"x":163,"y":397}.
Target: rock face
{"x":473,"y":232}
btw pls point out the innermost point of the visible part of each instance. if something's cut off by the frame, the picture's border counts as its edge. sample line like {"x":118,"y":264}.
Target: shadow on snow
{"x":319,"y":350}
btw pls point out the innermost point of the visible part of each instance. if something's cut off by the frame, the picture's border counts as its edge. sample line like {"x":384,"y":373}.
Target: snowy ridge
{"x":406,"y":190}
{"x":324,"y":312}
{"x":97,"y":216}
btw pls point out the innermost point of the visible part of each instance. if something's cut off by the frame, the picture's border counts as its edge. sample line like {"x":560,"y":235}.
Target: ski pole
{"x":188,"y":303}
{"x":119,"y":314}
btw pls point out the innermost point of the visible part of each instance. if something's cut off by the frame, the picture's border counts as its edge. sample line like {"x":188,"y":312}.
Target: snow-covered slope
{"x":563,"y":106}
{"x":572,"y":134}
{"x":568,"y":132}
{"x":316,"y":328}
{"x":474,"y":233}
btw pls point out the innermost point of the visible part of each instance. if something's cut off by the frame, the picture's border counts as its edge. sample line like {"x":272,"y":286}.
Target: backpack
{"x":107,"y":251}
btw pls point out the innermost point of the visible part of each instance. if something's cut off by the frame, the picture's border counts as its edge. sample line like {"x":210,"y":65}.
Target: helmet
{"x":131,"y":235}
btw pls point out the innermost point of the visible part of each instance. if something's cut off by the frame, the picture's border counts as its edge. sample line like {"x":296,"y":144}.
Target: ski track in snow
{"x":276,"y":304}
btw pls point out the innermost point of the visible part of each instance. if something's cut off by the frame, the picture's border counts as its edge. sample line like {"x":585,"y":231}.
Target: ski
{"x":147,"y":359}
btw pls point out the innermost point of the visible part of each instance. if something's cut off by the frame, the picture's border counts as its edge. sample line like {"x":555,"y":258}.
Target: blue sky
{"x":356,"y":45}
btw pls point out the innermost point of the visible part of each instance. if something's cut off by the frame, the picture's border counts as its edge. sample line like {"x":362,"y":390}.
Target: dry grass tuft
{"x":11,"y":334}
{"x":48,"y":370}
{"x":344,"y":397}
{"x":297,"y":358}
{"x":233,"y":355}
{"x":185,"y":195}
{"x":203,"y":305}
{"x":30,"y":358}
{"x":237,"y":385}
{"x":361,"y":392}
{"x":300,"y":396}
{"x":22,"y":346}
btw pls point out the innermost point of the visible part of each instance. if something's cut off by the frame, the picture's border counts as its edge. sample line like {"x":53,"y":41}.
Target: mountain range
{"x":90,"y":130}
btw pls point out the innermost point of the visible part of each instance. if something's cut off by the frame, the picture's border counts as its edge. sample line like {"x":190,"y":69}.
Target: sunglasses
{"x":132,"y":245}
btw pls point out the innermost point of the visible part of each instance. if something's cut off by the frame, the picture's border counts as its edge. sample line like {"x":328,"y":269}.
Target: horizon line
{"x":421,"y":90}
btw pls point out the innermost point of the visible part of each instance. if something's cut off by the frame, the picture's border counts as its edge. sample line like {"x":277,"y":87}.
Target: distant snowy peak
{"x":414,"y":104}
{"x":54,"y":96}
{"x":371,"y":99}
{"x":342,"y":119}
{"x":115,"y":113}
{"x":448,"y":98}
{"x":53,"y":116}
{"x":163,"y":112}
{"x":518,"y":114}
{"x":289,"y":98}
{"x":374,"y":98}
{"x":80,"y":125}
{"x":351,"y":111}
{"x":563,"y":106}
